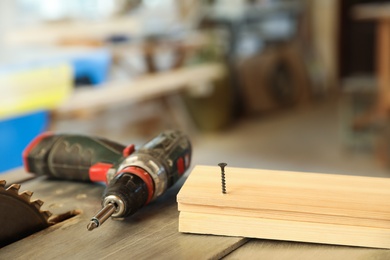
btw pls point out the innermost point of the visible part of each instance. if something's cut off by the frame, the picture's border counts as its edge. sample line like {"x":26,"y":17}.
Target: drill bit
{"x":101,"y":216}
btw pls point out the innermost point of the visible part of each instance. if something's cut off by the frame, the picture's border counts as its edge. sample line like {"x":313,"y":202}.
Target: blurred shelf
{"x":53,"y":33}
{"x":371,"y":11}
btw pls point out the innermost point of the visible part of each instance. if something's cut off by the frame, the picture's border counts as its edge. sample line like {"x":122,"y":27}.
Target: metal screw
{"x":222,"y":165}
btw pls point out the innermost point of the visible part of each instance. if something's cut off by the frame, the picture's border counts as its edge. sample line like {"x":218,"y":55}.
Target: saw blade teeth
{"x":26,"y":195}
{"x":14,"y":188}
{"x":20,"y":208}
{"x":37,"y":203}
{"x":47,"y":214}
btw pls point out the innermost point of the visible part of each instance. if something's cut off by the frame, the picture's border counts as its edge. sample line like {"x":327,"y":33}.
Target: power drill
{"x":134,"y":177}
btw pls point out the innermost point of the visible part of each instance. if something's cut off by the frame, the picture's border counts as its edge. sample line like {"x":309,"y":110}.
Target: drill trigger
{"x":98,"y":172}
{"x":128,"y":150}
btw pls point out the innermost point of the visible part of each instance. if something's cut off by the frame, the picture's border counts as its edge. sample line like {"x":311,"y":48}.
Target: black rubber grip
{"x":70,"y":156}
{"x":130,"y":189}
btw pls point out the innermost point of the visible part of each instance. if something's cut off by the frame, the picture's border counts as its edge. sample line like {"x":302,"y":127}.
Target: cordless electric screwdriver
{"x":133,"y":177}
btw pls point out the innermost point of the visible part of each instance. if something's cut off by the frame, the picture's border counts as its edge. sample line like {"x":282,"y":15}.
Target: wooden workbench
{"x":152,"y":233}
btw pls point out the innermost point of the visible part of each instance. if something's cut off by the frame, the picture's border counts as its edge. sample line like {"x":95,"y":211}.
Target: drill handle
{"x":71,"y":157}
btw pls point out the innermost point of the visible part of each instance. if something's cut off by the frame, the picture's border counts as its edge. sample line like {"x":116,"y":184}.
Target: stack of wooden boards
{"x":295,"y":206}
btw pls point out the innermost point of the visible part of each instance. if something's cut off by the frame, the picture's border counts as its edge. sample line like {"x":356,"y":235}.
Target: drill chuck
{"x":128,"y":192}
{"x":123,"y":197}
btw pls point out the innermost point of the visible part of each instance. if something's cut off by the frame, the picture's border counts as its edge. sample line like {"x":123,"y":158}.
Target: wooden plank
{"x":149,"y":234}
{"x":265,"y":249}
{"x":144,"y":88}
{"x":310,"y":203}
{"x":287,"y":215}
{"x":284,"y":230}
{"x":249,"y":188}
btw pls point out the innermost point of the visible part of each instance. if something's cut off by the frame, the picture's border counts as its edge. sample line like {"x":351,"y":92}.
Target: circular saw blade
{"x":19,"y":216}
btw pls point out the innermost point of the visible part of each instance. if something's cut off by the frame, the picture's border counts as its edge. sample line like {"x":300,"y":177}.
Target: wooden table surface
{"x":152,"y":233}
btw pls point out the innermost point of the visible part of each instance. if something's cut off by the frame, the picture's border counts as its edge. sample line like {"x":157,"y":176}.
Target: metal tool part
{"x":19,"y":216}
{"x":101,"y":216}
{"x":222,"y":165}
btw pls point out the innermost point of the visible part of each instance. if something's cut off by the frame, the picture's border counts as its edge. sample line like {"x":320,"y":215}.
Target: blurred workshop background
{"x":279,"y":84}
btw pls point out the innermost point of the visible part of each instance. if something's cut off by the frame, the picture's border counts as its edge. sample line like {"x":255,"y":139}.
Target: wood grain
{"x":302,"y":206}
{"x":149,"y":234}
{"x":266,"y":249}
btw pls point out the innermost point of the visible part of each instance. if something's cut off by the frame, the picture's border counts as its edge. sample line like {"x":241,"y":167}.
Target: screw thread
{"x":222,"y":165}
{"x":223,"y":182}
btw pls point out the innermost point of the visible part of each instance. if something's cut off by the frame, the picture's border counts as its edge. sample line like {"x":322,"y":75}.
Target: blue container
{"x":16,"y":133}
{"x":93,"y":65}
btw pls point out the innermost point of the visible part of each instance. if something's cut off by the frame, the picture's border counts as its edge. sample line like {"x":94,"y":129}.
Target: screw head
{"x":222,"y":165}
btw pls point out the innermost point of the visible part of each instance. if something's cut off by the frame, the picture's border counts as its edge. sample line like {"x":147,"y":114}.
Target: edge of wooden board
{"x":369,"y":221}
{"x":239,"y":226}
